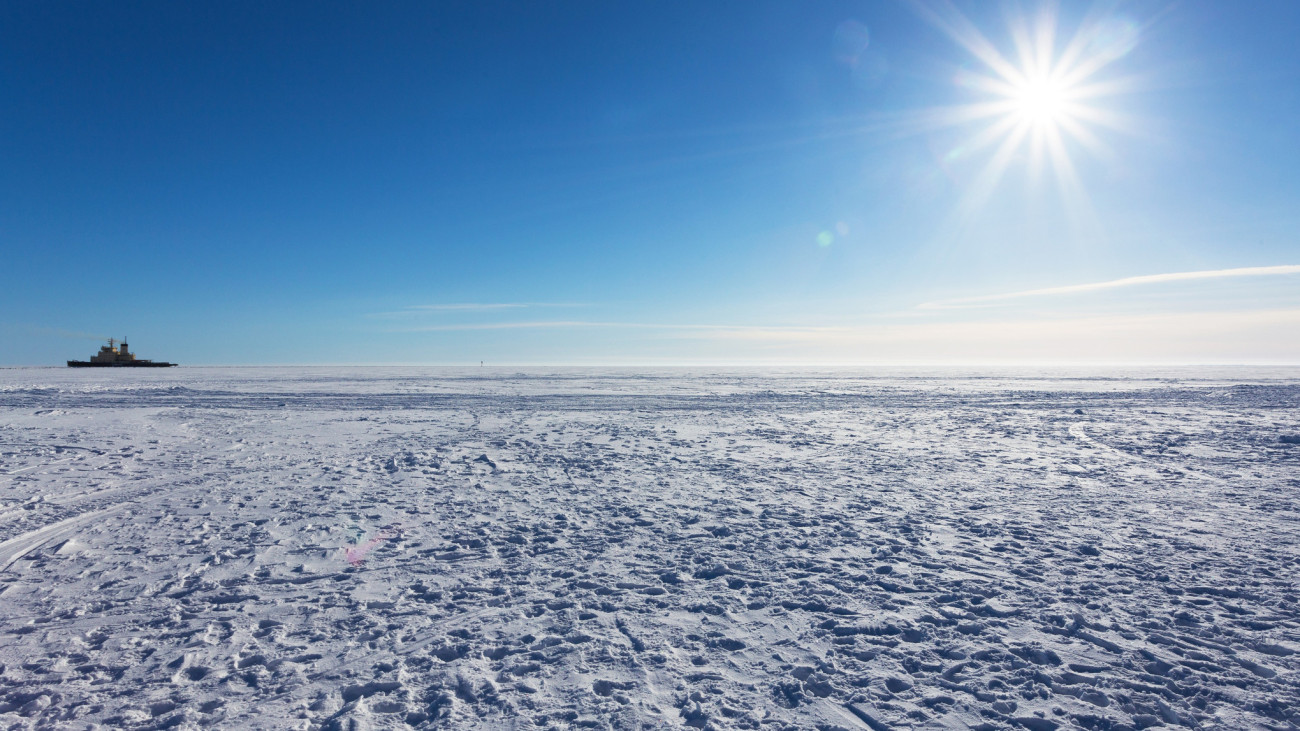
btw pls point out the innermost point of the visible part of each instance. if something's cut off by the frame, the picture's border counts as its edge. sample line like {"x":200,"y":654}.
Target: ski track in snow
{"x":646,"y":549}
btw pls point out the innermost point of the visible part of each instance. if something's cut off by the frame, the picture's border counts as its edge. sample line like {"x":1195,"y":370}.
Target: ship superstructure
{"x":114,"y":356}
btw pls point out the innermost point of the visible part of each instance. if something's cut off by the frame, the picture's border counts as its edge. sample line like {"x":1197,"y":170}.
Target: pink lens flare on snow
{"x":358,"y":553}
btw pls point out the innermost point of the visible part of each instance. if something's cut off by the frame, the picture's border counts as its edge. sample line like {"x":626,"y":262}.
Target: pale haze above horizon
{"x":739,"y":183}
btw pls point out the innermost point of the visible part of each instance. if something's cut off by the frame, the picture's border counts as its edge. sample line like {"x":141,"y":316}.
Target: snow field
{"x":628,"y":549}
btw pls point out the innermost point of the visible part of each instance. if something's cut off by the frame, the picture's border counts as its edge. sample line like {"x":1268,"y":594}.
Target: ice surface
{"x":378,"y":548}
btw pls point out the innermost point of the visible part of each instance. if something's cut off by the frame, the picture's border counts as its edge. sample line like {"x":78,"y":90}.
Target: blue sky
{"x":651,"y":183}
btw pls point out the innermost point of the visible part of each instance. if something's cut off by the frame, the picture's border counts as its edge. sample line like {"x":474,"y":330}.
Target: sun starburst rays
{"x":1036,"y":104}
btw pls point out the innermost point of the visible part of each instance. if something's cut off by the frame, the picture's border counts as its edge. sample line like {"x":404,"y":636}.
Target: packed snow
{"x":386,"y":547}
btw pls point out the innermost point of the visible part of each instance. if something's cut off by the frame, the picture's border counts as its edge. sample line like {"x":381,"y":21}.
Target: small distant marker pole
{"x":480,"y":364}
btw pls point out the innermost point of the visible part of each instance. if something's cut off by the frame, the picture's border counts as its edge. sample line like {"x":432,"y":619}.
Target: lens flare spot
{"x":825,"y":238}
{"x":1114,"y":38}
{"x":851,"y":39}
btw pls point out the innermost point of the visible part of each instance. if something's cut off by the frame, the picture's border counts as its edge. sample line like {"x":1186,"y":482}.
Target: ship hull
{"x":136,"y":364}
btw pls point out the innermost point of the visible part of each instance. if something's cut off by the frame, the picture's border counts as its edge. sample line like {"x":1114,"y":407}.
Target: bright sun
{"x":1039,"y":102}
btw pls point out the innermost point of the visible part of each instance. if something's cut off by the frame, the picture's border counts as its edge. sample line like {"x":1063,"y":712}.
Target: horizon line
{"x":739,"y":364}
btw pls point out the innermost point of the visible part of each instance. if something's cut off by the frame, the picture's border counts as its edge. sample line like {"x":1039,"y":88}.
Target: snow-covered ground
{"x":370,"y":547}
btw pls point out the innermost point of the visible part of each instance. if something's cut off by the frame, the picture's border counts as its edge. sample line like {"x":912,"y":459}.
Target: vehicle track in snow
{"x":19,"y":546}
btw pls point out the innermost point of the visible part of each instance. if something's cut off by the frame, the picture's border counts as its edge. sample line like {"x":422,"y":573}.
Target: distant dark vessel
{"x":110,"y":356}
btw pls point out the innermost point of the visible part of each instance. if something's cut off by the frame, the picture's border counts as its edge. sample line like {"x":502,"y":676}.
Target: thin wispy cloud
{"x":487,"y":306}
{"x":985,"y":300}
{"x":1204,"y":337}
{"x":529,"y":325}
{"x":1260,"y":336}
{"x":544,"y":324}
{"x":469,"y":307}
{"x":452,"y":308}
